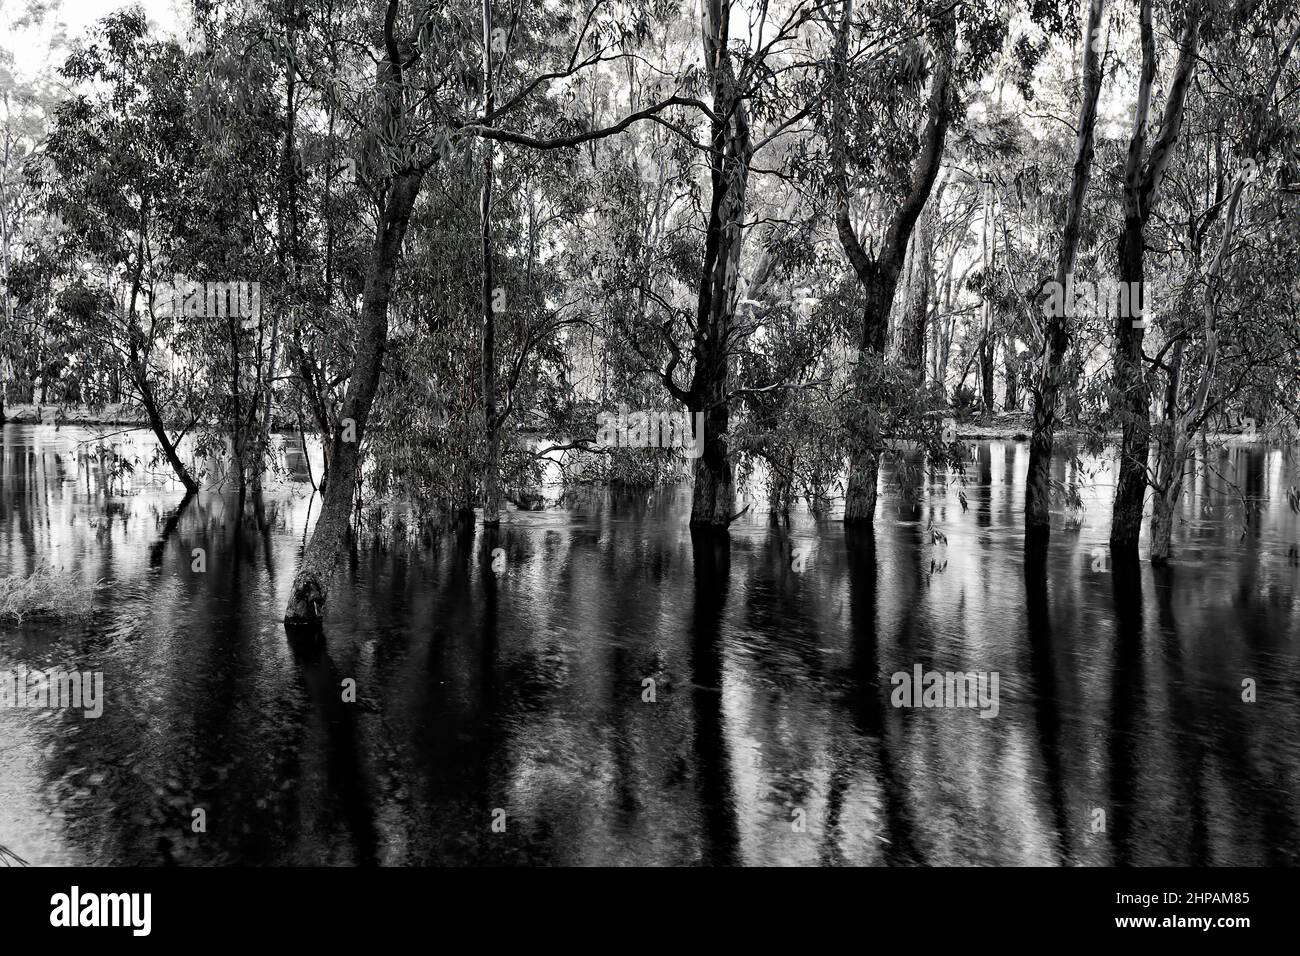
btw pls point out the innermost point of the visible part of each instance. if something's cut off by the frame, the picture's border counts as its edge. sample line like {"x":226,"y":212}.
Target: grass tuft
{"x":46,"y":593}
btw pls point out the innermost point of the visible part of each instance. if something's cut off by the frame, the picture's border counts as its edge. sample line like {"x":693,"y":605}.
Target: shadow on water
{"x":711,"y":551}
{"x":1128,"y":717}
{"x":867,"y":700}
{"x":1044,"y":681}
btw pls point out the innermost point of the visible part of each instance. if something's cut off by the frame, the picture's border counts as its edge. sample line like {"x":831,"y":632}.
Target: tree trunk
{"x":1142,"y":178}
{"x":311,"y":583}
{"x":879,"y":276}
{"x":1012,"y":361}
{"x":860,"y":495}
{"x":988,"y":350}
{"x":714,"y":494}
{"x":491,"y":420}
{"x":1171,"y":467}
{"x":910,"y":345}
{"x":159,"y":428}
{"x":864,"y":457}
{"x":780,"y":489}
{"x":1051,"y":371}
{"x":1134,"y":402}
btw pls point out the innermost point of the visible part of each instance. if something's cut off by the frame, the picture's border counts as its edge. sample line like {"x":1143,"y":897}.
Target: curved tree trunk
{"x":311,"y":583}
{"x":316,"y":569}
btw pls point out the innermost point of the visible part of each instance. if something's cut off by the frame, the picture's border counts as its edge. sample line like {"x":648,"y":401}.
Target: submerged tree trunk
{"x":714,"y":495}
{"x":491,"y":419}
{"x":1134,"y":402}
{"x":879,"y":276}
{"x":1051,"y":372}
{"x":311,"y":583}
{"x":159,"y":429}
{"x":1171,"y":468}
{"x":780,"y":489}
{"x":316,"y":569}
{"x":1142,"y":178}
{"x":1176,"y":440}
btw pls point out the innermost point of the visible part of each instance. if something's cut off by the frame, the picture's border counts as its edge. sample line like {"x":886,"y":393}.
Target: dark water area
{"x":515,"y":680}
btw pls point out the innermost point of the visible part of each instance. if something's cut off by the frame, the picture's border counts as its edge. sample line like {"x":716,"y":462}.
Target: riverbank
{"x":1001,"y":426}
{"x":1016,"y":426}
{"x":43,"y":414}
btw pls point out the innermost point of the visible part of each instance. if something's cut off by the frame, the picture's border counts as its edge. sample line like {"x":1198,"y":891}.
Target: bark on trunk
{"x":920,"y":285}
{"x":1134,"y":402}
{"x":1171,"y":467}
{"x":714,"y":494}
{"x":1012,"y":361}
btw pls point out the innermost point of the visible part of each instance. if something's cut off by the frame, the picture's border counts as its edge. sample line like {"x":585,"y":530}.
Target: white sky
{"x":30,"y":46}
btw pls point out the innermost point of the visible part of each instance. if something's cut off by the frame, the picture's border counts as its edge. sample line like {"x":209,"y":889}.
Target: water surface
{"x":519,"y":694}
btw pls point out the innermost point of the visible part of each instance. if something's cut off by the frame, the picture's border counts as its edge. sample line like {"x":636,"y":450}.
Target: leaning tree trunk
{"x":139,"y":368}
{"x":328,"y":540}
{"x":159,"y":428}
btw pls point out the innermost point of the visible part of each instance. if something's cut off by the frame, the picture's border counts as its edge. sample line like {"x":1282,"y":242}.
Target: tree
{"x":1051,"y":369}
{"x":1143,"y":175}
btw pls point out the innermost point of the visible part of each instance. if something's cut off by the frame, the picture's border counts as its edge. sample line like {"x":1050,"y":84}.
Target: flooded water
{"x":504,"y":712}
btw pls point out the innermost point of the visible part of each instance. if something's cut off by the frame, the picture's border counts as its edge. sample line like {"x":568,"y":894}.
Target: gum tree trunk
{"x":714,"y":494}
{"x":491,"y":419}
{"x":329,"y":538}
{"x":1051,"y":372}
{"x":879,"y":276}
{"x":1142,"y":181}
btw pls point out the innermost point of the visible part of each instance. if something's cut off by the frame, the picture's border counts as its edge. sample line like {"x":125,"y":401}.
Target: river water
{"x":505,"y":711}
